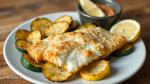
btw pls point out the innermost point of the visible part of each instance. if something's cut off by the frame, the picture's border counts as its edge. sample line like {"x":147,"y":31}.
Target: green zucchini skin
{"x":29,"y":66}
{"x":22,"y":45}
{"x":21,"y":50}
{"x":123,"y":53}
{"x":74,"y":25}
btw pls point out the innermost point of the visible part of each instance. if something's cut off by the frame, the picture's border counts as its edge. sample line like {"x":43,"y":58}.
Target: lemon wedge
{"x":128,"y":28}
{"x":96,"y":70}
{"x":91,"y":9}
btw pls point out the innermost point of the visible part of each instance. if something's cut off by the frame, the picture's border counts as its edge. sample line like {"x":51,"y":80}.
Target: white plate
{"x":121,"y":68}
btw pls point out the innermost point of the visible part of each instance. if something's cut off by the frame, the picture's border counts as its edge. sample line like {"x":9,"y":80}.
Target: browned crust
{"x":116,"y":42}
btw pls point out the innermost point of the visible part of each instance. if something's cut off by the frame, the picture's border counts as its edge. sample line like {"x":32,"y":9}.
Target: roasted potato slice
{"x":41,"y":24}
{"x":74,"y":25}
{"x":22,"y":44}
{"x":22,"y":34}
{"x":87,"y":25}
{"x":58,"y":27}
{"x":34,"y":36}
{"x":65,"y":18}
{"x":55,"y":73}
{"x":96,"y":70}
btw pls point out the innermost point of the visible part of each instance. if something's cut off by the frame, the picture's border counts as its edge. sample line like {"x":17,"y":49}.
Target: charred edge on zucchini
{"x":21,"y":34}
{"x":22,"y":45}
{"x":31,"y":61}
{"x":74,"y":25}
{"x":29,"y":66}
{"x":124,"y":51}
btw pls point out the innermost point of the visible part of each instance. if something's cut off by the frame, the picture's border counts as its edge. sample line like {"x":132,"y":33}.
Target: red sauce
{"x":109,"y":11}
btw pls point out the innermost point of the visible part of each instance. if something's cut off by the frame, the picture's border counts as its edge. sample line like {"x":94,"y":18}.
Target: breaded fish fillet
{"x":74,"y":50}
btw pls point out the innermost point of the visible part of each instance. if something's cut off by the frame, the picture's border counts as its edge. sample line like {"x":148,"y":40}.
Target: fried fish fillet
{"x":74,"y":50}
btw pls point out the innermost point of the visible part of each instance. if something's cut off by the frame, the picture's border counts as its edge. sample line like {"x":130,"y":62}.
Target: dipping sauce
{"x":109,"y":11}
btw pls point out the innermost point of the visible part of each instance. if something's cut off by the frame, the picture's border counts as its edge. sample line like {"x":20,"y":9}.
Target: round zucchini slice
{"x":29,"y":66}
{"x":22,"y":34}
{"x":58,"y":27}
{"x":55,"y":73}
{"x":97,"y":70}
{"x":31,"y":61}
{"x":126,"y":50}
{"x":22,"y":45}
{"x":65,"y":18}
{"x":41,"y":24}
{"x":124,"y":53}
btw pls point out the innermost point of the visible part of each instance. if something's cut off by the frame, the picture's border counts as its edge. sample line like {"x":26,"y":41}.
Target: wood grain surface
{"x":14,"y":12}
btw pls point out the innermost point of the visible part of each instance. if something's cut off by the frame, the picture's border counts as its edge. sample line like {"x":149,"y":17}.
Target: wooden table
{"x":14,"y":12}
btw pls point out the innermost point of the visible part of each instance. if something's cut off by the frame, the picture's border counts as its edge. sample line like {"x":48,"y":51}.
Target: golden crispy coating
{"x":74,"y":50}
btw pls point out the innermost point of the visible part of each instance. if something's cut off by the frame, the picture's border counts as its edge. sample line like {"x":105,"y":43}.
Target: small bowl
{"x":106,"y":21}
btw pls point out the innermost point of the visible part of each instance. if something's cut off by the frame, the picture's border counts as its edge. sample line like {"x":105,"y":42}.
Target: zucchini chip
{"x":74,"y":25}
{"x":41,"y":24}
{"x":87,"y":25}
{"x":29,"y":66}
{"x":31,"y":61}
{"x":55,"y":73}
{"x":65,"y":18}
{"x":96,"y":70}
{"x":34,"y":36}
{"x":22,"y":34}
{"x":124,"y":51}
{"x":58,"y":27}
{"x":22,"y":44}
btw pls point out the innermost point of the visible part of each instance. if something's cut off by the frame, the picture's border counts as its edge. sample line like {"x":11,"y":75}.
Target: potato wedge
{"x":55,"y":73}
{"x":65,"y":18}
{"x":41,"y":24}
{"x":22,"y":34}
{"x":58,"y":27}
{"x":34,"y":36}
{"x":22,"y":44}
{"x":95,"y":71}
{"x":87,"y":25}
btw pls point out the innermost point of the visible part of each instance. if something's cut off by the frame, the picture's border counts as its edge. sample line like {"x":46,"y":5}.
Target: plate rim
{"x":37,"y":81}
